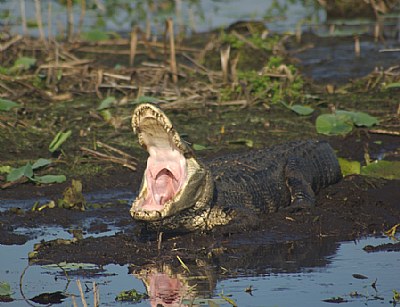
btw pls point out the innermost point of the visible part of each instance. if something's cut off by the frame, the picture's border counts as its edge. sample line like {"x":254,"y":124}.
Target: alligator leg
{"x":301,"y":192}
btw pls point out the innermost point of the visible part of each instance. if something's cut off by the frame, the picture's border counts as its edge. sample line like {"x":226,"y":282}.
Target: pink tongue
{"x":163,"y":189}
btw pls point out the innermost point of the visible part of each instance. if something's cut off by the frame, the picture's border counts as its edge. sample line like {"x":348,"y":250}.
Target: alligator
{"x":182,"y":193}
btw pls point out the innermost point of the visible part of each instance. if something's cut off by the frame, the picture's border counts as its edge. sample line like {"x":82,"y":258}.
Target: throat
{"x":165,"y":175}
{"x":164,"y":187}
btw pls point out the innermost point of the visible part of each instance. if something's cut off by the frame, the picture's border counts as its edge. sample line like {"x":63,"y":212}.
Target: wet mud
{"x":356,"y":206}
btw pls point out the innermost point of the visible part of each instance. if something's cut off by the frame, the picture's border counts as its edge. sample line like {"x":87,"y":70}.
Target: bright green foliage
{"x":23,"y":63}
{"x":23,"y":171}
{"x":199,"y":147}
{"x":28,"y":171}
{"x":95,"y":36}
{"x":382,"y":169}
{"x":131,"y":296}
{"x":302,"y":110}
{"x":5,"y":169}
{"x":333,"y":124}
{"x":360,"y":118}
{"x":73,"y":197}
{"x":264,"y":87}
{"x":145,"y":99}
{"x":396,"y":296}
{"x":58,"y":140}
{"x":106,"y":103}
{"x":5,"y":289}
{"x":392,"y":85}
{"x":7,"y":105}
{"x":40,"y":163}
{"x":349,"y":167}
{"x":342,"y":122}
{"x":299,"y":109}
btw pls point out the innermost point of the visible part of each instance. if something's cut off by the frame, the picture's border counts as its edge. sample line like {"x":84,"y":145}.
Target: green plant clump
{"x":277,"y":82}
{"x":131,"y":296}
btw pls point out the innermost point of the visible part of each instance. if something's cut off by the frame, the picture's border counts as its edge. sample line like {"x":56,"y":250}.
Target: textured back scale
{"x":258,"y":180}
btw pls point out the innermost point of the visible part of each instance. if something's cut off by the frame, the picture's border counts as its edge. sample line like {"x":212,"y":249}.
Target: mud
{"x":354,"y":207}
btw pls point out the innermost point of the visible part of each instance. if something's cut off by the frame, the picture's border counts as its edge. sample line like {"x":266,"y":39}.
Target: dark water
{"x":327,"y":272}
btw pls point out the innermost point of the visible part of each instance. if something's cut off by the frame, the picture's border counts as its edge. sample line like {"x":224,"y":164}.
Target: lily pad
{"x":360,"y":118}
{"x":301,"y":110}
{"x":382,"y":169}
{"x":334,"y":124}
{"x":7,"y":105}
{"x":349,"y":167}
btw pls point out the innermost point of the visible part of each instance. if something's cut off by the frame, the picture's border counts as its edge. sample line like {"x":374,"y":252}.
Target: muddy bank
{"x":354,"y":207}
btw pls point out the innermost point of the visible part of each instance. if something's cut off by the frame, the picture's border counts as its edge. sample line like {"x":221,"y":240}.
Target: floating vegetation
{"x":378,"y":169}
{"x":342,"y":122}
{"x":5,"y":292}
{"x":131,"y":296}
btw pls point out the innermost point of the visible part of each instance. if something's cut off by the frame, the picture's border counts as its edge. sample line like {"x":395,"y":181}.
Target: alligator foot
{"x":301,"y":193}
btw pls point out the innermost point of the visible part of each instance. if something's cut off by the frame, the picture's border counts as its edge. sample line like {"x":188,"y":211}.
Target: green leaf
{"x":360,"y":118}
{"x":106,"y":103}
{"x":5,"y":169}
{"x":40,"y":163}
{"x":349,"y":167}
{"x":24,"y":63}
{"x":20,"y":172}
{"x":106,"y":114}
{"x":301,"y":110}
{"x":331,"y":124}
{"x":5,"y":289}
{"x":50,"y":179}
{"x":146,"y":99}
{"x":247,"y":142}
{"x":130,"y":296}
{"x":95,"y":35}
{"x":7,"y":105}
{"x":382,"y":169}
{"x":58,"y":140}
{"x":393,"y":85}
{"x":198,"y":147}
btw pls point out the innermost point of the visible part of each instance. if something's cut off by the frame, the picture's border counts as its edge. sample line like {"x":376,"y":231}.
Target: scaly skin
{"x":237,"y":188}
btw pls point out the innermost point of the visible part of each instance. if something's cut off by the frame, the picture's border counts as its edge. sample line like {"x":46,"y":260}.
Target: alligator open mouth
{"x":171,"y":167}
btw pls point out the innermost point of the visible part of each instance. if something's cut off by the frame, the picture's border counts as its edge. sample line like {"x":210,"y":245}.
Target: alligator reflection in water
{"x":195,"y":279}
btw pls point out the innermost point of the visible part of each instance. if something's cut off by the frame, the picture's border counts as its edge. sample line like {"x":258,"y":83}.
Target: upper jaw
{"x":146,"y":121}
{"x":167,"y":154}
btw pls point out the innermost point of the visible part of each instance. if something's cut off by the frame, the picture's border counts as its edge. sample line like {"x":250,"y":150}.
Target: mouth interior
{"x":166,"y":165}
